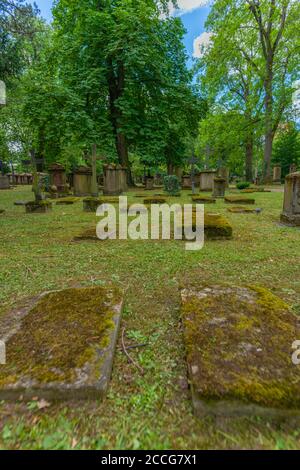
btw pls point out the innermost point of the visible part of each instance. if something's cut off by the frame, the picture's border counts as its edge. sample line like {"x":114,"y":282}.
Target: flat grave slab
{"x":61,"y":345}
{"x":241,"y":210}
{"x":239,"y":351}
{"x":204,"y":199}
{"x":238,"y":200}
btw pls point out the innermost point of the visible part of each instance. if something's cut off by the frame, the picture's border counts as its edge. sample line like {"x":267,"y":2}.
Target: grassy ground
{"x":150,"y":411}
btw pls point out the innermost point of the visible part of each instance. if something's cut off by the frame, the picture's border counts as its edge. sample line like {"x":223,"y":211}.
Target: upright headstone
{"x":291,"y":205}
{"x":186,"y":182}
{"x":219,"y":187}
{"x":115,"y":180}
{"x":223,"y":172}
{"x":58,"y":177}
{"x":149,"y":182}
{"x":4,"y":182}
{"x":277,"y":174}
{"x":293,"y":168}
{"x":82,"y":181}
{"x":207,"y":180}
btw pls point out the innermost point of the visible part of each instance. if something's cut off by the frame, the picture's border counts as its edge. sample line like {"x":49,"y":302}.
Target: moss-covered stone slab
{"x":239,"y":351}
{"x":20,"y":203}
{"x":238,"y":200}
{"x":248,"y":191}
{"x":67,"y":201}
{"x":155,"y":200}
{"x":241,"y":210}
{"x":62,"y":346}
{"x":204,"y":199}
{"x":41,"y":207}
{"x":216,"y":226}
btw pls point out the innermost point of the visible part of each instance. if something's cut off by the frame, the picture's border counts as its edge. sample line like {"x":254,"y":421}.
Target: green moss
{"x":241,"y":210}
{"x":155,"y":200}
{"x":67,"y":201}
{"x":61,"y":334}
{"x":238,"y":200}
{"x":204,"y":199}
{"x":238,"y":343}
{"x":248,"y":191}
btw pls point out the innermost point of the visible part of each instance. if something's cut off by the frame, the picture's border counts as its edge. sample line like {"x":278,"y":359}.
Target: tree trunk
{"x":116,"y":78}
{"x":249,"y":157}
{"x":269,"y":135}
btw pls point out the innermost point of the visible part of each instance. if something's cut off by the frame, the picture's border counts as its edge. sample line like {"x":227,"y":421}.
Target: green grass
{"x":150,"y":411}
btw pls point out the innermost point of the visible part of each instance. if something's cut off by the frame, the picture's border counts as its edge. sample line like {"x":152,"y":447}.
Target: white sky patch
{"x":201,"y":43}
{"x":185,"y":6}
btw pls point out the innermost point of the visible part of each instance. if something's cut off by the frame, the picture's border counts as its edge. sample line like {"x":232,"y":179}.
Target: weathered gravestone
{"x":149,"y":183}
{"x":4,"y":182}
{"x":201,"y":199}
{"x":239,"y":351}
{"x":238,"y":200}
{"x":115,"y":180}
{"x":58,"y":177}
{"x":62,"y":345}
{"x":82,"y":181}
{"x":207,"y":180}
{"x":219,"y":187}
{"x":186,"y":182}
{"x":291,"y":205}
{"x":277,"y":174}
{"x":223,"y":172}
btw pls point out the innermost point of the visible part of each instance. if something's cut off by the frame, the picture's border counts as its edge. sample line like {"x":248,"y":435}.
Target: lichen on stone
{"x":63,"y":333}
{"x":238,"y":343}
{"x":238,"y":200}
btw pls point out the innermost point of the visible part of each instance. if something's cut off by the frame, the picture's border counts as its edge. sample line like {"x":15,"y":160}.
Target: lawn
{"x":150,"y":410}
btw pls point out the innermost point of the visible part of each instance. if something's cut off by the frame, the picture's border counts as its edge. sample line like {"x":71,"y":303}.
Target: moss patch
{"x":60,"y":338}
{"x":216,"y":226}
{"x":67,"y":201}
{"x":155,"y":200}
{"x":238,"y":200}
{"x":248,"y":190}
{"x":238,"y":343}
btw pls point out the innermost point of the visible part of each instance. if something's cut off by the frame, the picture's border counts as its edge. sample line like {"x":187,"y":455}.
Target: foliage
{"x":287,"y":149}
{"x":172,"y":185}
{"x":243,"y":185}
{"x":254,"y":74}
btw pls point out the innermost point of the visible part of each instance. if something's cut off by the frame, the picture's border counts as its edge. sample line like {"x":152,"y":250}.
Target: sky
{"x":192,"y":12}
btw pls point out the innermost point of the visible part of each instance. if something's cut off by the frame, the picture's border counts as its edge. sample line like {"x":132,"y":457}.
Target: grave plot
{"x":216,"y":226}
{"x":67,"y":201}
{"x":62,"y":346}
{"x":238,"y":200}
{"x":204,"y":199}
{"x":241,"y":210}
{"x":155,"y":200}
{"x":239,"y":351}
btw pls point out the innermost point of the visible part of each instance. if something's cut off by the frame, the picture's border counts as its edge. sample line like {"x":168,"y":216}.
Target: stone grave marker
{"x":61,"y":346}
{"x":291,"y":206}
{"x":239,"y":351}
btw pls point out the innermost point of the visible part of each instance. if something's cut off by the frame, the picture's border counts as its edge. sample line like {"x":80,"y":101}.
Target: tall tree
{"x":123,"y":61}
{"x":268,"y":27}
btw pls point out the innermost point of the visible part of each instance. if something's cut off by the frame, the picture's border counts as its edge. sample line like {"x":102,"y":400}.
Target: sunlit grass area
{"x":150,"y":410}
